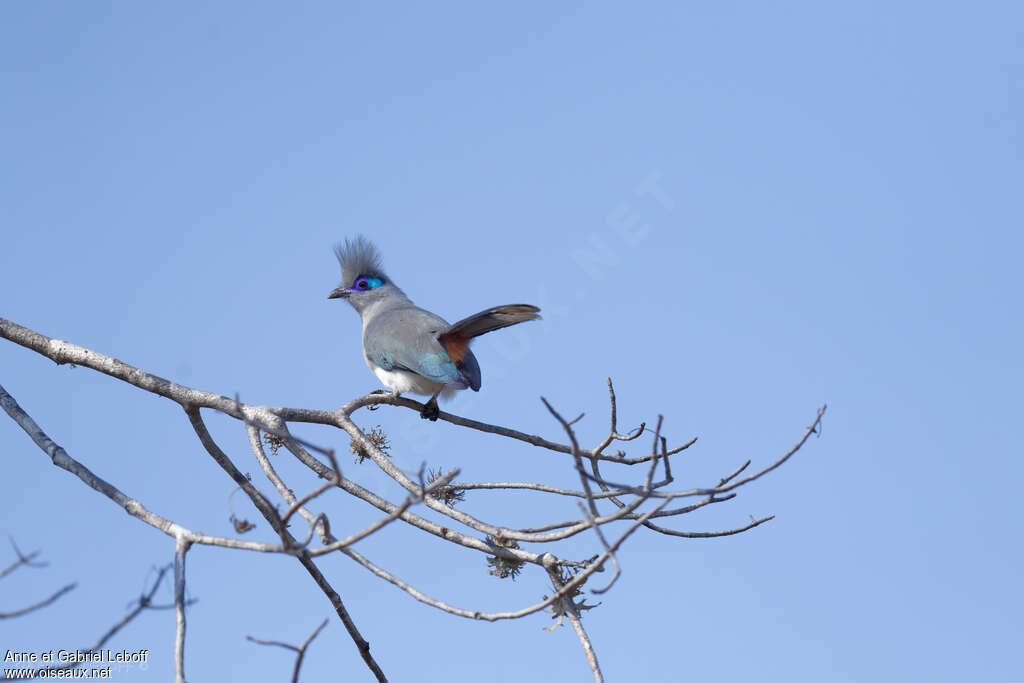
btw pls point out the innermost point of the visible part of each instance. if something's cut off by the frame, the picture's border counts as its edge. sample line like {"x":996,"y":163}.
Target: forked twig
{"x":300,"y":650}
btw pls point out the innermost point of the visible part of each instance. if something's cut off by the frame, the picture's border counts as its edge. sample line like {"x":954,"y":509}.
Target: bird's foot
{"x":386,"y":392}
{"x":430,"y":410}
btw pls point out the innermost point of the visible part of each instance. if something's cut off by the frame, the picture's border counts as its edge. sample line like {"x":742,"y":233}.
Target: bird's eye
{"x":365,"y":283}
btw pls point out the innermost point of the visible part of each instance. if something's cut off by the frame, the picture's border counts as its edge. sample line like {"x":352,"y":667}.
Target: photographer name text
{"x":79,"y":656}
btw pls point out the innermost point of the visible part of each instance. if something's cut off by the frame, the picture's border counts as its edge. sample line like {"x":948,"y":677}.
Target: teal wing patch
{"x":435,"y":366}
{"x":384,"y":359}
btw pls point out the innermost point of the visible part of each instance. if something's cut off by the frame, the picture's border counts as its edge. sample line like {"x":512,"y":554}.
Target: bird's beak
{"x":339,"y":293}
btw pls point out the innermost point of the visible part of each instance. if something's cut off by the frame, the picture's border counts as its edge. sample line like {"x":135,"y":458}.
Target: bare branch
{"x":389,"y":399}
{"x":133,"y":507}
{"x":588,"y":648}
{"x":728,"y":487}
{"x":409,"y":517}
{"x":709,"y":534}
{"x":23,"y":560}
{"x":604,"y":543}
{"x":144,"y":602}
{"x":301,"y":650}
{"x":444,"y":532}
{"x":576,"y":456}
{"x":632,"y":515}
{"x":438,"y":483}
{"x":181,"y":548}
{"x":270,"y":514}
{"x":571,"y":610}
{"x":813,"y":429}
{"x":39,"y":605}
{"x":28,"y":561}
{"x":308,"y":497}
{"x":613,"y":434}
{"x":726,"y":479}
{"x":549,"y":562}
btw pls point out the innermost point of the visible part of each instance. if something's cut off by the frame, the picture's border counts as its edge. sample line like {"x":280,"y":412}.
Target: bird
{"x":410,"y":349}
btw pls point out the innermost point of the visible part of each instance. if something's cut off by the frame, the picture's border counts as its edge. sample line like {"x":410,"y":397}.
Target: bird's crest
{"x":358,"y":257}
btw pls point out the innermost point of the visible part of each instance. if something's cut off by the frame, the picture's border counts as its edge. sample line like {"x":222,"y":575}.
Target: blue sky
{"x":837,"y":220}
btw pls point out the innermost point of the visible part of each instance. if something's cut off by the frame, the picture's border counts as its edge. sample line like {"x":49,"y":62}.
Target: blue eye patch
{"x":364,"y":284}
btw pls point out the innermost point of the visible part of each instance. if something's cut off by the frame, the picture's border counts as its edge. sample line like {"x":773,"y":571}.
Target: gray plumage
{"x":358,"y":257}
{"x":408,"y":348}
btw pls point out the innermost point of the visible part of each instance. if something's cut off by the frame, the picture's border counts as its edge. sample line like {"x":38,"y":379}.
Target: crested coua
{"x":410,"y":349}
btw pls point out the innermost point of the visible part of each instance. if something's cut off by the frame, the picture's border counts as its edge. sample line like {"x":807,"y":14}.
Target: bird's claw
{"x":430,"y":410}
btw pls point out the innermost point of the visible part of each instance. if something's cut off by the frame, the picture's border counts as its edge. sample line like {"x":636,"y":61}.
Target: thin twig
{"x":709,"y":534}
{"x":23,"y":560}
{"x":604,"y":544}
{"x":301,"y":650}
{"x":567,"y":426}
{"x":39,"y":605}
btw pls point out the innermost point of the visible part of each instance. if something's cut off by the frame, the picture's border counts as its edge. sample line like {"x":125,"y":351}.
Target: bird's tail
{"x":493,"y":319}
{"x":456,"y":338}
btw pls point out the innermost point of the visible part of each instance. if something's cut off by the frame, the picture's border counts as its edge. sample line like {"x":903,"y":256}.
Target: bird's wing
{"x":406,"y":339}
